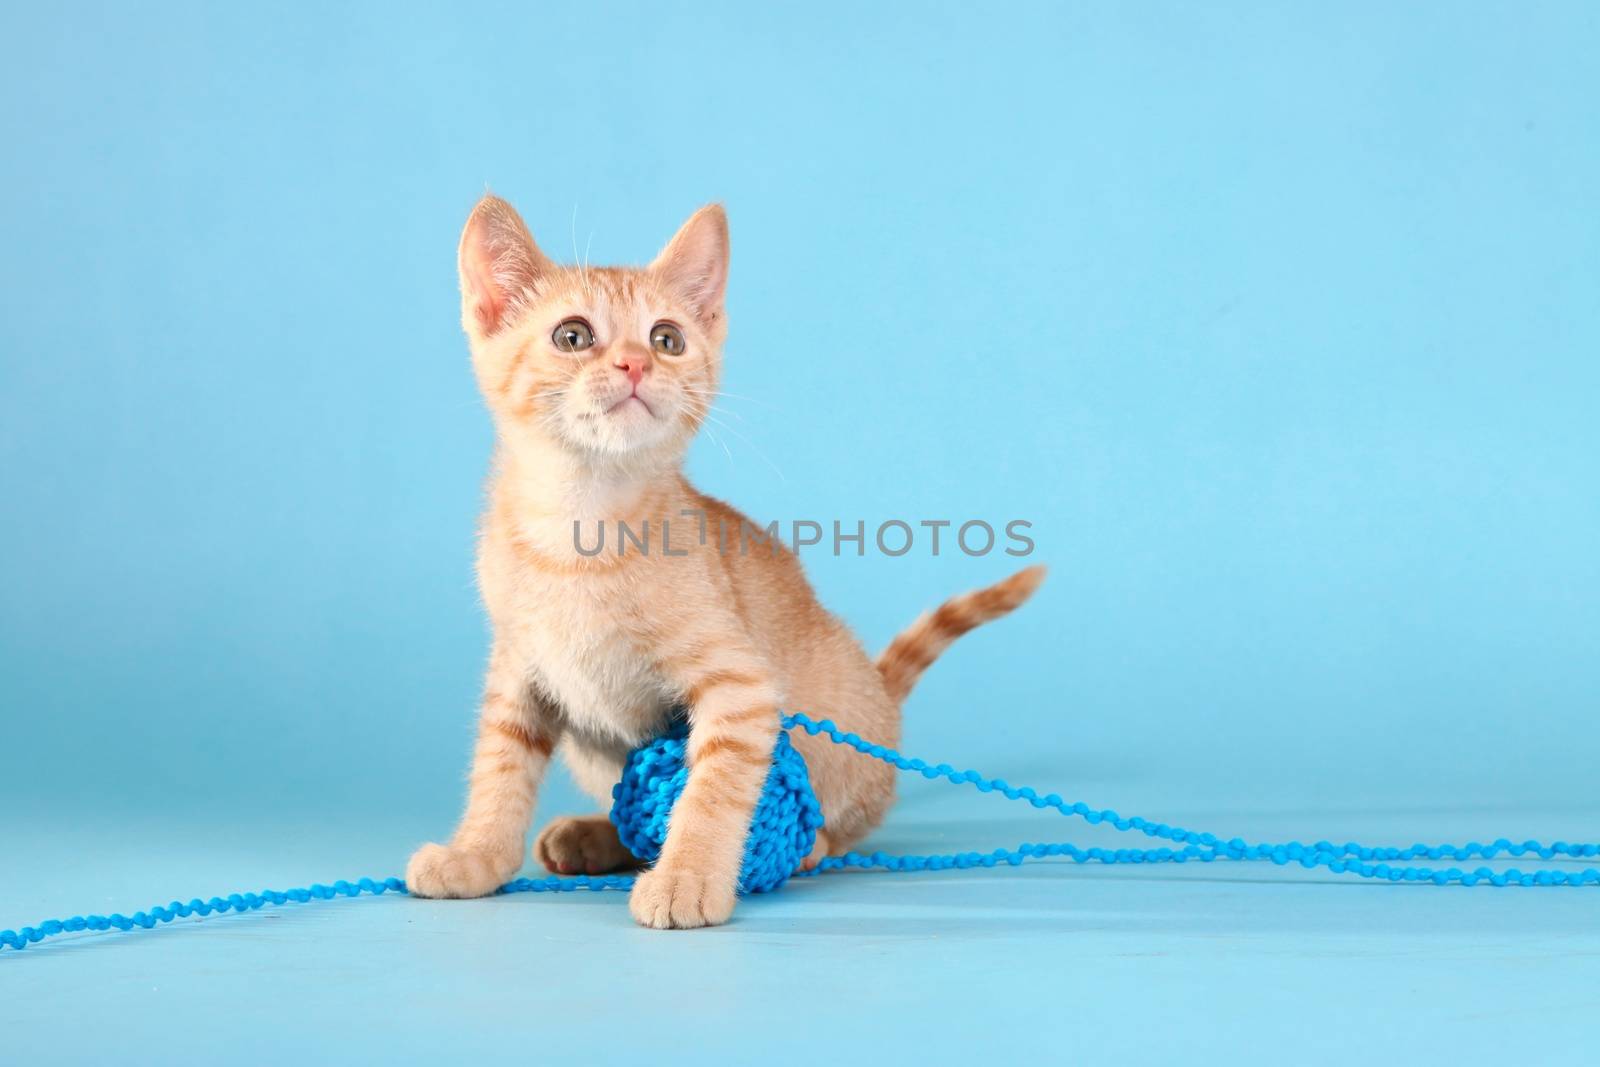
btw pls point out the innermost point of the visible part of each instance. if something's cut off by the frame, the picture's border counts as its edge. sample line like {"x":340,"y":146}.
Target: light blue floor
{"x":1053,"y":962}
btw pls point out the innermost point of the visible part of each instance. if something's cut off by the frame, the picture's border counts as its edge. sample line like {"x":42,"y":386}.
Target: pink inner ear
{"x":486,"y":304}
{"x":695,"y":261}
{"x":477,"y":267}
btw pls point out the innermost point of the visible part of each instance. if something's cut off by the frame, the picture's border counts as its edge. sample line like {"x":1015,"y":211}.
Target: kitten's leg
{"x":733,"y":717}
{"x":516,"y":731}
{"x":583,"y":844}
{"x":819,"y":852}
{"x":586,"y":844}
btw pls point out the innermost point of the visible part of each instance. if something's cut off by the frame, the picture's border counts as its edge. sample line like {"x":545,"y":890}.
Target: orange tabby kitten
{"x":597,"y":379}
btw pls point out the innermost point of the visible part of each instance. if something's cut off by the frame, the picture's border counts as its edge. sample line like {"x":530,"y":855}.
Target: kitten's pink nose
{"x":633,"y":361}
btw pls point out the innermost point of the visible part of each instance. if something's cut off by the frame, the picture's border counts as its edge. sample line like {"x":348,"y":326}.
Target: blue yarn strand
{"x":1350,"y":858}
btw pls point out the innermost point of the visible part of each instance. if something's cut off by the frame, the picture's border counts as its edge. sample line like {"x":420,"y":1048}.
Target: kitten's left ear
{"x":695,"y":263}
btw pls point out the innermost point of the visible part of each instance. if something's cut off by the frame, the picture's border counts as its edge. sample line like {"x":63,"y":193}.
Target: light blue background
{"x":1279,"y":322}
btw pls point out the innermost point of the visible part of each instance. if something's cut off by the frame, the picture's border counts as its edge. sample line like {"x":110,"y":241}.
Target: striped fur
{"x":911,"y":653}
{"x":593,"y":652}
{"x":515,"y":739}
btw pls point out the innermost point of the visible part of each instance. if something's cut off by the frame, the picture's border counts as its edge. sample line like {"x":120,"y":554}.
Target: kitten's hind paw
{"x":819,"y":852}
{"x":584,"y":845}
{"x":449,"y":871}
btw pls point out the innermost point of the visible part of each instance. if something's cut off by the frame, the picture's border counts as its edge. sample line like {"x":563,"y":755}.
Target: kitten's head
{"x":605,"y":363}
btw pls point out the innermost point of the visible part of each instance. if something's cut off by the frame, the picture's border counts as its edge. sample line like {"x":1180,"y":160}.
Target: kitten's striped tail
{"x":909,"y":654}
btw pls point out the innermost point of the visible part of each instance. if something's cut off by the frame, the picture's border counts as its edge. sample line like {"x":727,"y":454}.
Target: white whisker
{"x":764,"y":457}
{"x":583,"y":263}
{"x":718,"y":442}
{"x":729,"y":396}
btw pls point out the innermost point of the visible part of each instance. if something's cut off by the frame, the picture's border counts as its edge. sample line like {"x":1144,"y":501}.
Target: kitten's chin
{"x":628,"y":430}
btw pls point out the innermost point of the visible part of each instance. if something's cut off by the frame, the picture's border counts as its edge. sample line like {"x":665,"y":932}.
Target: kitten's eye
{"x":573,"y":335}
{"x":667,"y":339}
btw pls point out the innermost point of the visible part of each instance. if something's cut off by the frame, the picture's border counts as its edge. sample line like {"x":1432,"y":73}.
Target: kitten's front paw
{"x":447,"y":871}
{"x":676,"y":898}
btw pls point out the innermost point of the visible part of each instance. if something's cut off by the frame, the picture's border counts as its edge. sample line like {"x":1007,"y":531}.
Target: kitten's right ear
{"x":499,"y":263}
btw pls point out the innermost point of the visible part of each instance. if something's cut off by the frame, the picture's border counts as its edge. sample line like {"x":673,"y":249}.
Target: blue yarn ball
{"x":782,"y":833}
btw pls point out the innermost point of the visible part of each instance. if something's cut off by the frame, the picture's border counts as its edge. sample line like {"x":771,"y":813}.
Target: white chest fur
{"x":569,"y":633}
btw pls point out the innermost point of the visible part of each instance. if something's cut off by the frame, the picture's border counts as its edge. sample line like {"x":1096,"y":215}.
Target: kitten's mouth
{"x":626,"y":402}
